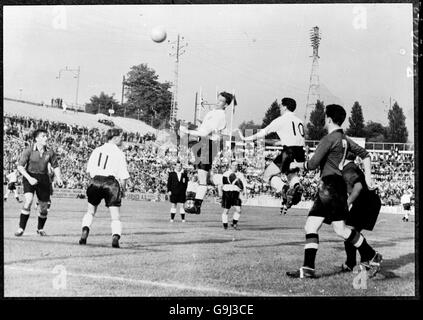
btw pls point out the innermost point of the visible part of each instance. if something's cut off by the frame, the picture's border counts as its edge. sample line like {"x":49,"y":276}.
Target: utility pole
{"x":314,"y":88}
{"x":195,"y":108}
{"x":177,"y":54}
{"x":121,"y":101}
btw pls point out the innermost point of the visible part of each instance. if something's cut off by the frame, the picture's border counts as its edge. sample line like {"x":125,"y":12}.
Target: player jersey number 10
{"x":300,"y":127}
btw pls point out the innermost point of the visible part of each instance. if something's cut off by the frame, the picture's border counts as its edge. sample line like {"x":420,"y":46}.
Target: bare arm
{"x":58,"y":175}
{"x":259,"y":135}
{"x":23,"y":171}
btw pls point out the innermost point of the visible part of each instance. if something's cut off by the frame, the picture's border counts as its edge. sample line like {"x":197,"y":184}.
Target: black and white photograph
{"x":210,"y":150}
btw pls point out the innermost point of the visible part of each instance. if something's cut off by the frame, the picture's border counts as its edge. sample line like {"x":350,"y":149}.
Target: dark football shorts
{"x":230,"y":198}
{"x":12,"y":186}
{"x":205,"y":150}
{"x":289,"y":154}
{"x":406,"y":206}
{"x":42,"y":188}
{"x":331,"y":200}
{"x":177,"y":198}
{"x":107,"y":188}
{"x":364,"y":211}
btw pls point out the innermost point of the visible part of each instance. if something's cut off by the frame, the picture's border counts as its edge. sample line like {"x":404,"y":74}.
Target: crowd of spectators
{"x":150,"y":162}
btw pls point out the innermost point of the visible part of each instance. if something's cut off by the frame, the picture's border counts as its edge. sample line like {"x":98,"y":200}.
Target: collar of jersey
{"x":34,"y":147}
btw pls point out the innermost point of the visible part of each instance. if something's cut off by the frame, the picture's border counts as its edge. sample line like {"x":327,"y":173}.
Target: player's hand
{"x":293,"y":165}
{"x":169,"y":193}
{"x":32,"y":181}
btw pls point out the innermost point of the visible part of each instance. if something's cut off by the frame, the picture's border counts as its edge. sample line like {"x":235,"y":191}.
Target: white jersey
{"x":405,"y":199}
{"x":214,"y":122}
{"x":108,"y":160}
{"x":289,"y":128}
{"x":231,"y":186}
{"x":12,"y":177}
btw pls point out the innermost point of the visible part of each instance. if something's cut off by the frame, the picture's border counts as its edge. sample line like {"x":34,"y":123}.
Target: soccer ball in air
{"x":158,"y":34}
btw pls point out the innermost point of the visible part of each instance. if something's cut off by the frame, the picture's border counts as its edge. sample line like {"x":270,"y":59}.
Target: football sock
{"x":225,"y":225}
{"x":234,"y":222}
{"x":310,"y":249}
{"x":224,"y":218}
{"x":172,"y":213}
{"x":366,"y":251}
{"x":182,"y":213}
{"x":87,"y":220}
{"x":201,"y":192}
{"x":351,"y":252}
{"x":23,"y":219}
{"x":198,"y":203}
{"x":236,"y":217}
{"x":41,"y":222}
{"x":277,"y":183}
{"x":116,"y":226}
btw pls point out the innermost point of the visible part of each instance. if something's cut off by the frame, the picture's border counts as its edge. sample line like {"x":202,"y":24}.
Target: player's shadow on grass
{"x":393,"y":264}
{"x":379,"y":243}
{"x":386,"y":267}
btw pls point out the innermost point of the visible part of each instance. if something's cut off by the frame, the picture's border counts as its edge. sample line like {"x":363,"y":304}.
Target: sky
{"x":261,"y":52}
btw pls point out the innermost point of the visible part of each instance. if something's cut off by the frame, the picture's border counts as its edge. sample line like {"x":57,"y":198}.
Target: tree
{"x":397,"y":131}
{"x":316,"y":127}
{"x":356,"y":128}
{"x":271,"y":114}
{"x":101,"y":104}
{"x":375,"y":132}
{"x":147,"y":98}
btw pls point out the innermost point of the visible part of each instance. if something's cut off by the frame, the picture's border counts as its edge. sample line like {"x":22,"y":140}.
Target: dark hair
{"x":289,"y":103}
{"x":228,"y":97}
{"x":350,"y":156}
{"x":336,"y":113}
{"x":37,"y":132}
{"x":114,"y":132}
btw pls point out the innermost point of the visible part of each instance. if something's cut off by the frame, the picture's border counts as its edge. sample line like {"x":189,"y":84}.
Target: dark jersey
{"x":330,"y":152}
{"x":352,"y":175}
{"x":32,"y":160}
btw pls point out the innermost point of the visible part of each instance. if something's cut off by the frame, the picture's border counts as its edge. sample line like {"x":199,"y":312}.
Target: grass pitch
{"x":193,"y":259}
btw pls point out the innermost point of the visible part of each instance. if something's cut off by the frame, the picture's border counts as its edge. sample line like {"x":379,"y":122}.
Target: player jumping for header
{"x":208,"y":143}
{"x":290,"y":130}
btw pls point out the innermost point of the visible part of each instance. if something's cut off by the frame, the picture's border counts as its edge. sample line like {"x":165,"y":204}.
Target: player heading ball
{"x":207,"y":142}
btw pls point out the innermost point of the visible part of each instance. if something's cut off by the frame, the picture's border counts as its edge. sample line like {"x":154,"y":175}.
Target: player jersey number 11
{"x":104,"y":163}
